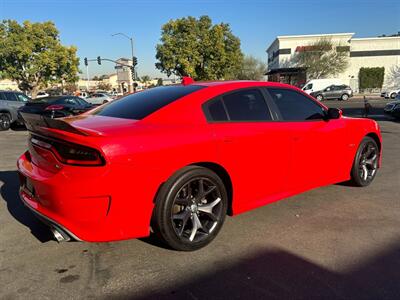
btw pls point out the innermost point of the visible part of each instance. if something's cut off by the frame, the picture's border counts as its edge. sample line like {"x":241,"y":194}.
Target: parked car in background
{"x":10,"y":101}
{"x":392,"y":108}
{"x":99,"y":98}
{"x":42,"y":95}
{"x":391,"y":94}
{"x":320,"y":84}
{"x":180,"y":158}
{"x":396,"y":112}
{"x":56,"y":107}
{"x":342,"y":92}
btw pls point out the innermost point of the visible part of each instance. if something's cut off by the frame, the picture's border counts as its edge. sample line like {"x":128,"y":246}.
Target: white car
{"x":99,"y":98}
{"x":320,"y":84}
{"x":391,"y":93}
{"x":42,"y":95}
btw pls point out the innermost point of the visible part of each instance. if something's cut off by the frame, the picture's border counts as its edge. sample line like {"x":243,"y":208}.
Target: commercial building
{"x":363,"y":52}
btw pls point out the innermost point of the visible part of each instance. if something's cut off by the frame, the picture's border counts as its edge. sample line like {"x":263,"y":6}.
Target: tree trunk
{"x":34,"y":91}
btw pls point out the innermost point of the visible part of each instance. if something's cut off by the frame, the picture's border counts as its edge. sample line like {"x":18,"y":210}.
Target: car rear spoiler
{"x":39,"y":123}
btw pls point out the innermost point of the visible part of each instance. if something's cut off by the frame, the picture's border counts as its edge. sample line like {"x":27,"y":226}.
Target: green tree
{"x":104,"y":86}
{"x":145,"y":79}
{"x":252,"y":69}
{"x":32,"y":55}
{"x":197,"y":48}
{"x":322,"y":59}
{"x":160,"y":82}
{"x":371,"y":77}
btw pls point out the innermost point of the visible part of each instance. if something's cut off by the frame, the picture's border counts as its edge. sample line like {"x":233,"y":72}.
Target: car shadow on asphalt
{"x":376,"y":114}
{"x":279,"y":274}
{"x":9,"y":193}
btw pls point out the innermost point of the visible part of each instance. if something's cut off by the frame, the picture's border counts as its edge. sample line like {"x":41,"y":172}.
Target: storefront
{"x":363,"y":52}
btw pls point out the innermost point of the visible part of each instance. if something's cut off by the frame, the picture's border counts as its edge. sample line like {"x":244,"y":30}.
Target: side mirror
{"x":333,"y":113}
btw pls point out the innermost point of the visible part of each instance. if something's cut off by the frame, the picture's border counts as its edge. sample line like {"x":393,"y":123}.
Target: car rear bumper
{"x":82,"y":203}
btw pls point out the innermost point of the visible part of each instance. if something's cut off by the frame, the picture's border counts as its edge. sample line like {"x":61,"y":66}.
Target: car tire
{"x":393,"y":95}
{"x":319,"y":97}
{"x":187,"y":217}
{"x":344,"y":97}
{"x":365,"y":163}
{"x":5,"y":121}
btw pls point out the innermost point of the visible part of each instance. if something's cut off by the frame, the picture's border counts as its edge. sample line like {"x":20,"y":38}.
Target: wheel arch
{"x":375,"y":137}
{"x":217,"y":169}
{"x":224,"y":175}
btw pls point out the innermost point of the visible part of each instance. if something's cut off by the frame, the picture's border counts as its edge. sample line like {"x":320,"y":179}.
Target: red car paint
{"x":265,"y":161}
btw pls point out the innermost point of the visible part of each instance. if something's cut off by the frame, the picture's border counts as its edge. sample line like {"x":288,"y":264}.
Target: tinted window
{"x":217,"y":111}
{"x":81,"y":101}
{"x":67,"y":101}
{"x":2,"y":96}
{"x":140,"y":105}
{"x":294,"y":106}
{"x":246,"y":105}
{"x":10,"y":96}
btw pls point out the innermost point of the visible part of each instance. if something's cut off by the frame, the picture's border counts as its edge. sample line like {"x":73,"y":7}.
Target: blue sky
{"x":89,"y":24}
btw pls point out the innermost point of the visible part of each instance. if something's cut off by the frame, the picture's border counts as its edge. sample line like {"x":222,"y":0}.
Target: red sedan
{"x":177,"y":159}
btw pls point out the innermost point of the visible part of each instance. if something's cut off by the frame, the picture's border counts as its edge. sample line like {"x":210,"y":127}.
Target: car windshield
{"x":140,"y":105}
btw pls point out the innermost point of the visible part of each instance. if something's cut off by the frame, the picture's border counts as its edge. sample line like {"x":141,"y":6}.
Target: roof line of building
{"x":314,"y":35}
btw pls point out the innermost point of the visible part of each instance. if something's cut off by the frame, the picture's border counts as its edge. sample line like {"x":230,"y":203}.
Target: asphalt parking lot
{"x":335,"y":242}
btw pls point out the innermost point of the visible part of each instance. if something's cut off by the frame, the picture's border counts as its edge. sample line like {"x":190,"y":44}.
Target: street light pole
{"x":133,"y":57}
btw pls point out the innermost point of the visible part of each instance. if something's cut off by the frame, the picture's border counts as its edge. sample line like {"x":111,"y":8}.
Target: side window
{"x":217,"y":111}
{"x":2,"y":96}
{"x":10,"y":96}
{"x":67,"y":101}
{"x":22,"y":98}
{"x":294,"y":106}
{"x":246,"y":105}
{"x":308,"y":87}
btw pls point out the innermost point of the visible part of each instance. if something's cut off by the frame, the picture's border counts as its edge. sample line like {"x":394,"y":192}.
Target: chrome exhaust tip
{"x":59,"y":235}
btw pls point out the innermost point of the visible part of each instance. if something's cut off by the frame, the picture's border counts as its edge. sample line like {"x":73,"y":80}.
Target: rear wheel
{"x":319,"y":97}
{"x":345,"y":97}
{"x":5,"y":121}
{"x":393,"y":95}
{"x":365,"y":163}
{"x":190,"y":209}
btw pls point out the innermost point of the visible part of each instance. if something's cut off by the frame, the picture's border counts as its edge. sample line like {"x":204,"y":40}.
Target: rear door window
{"x":10,"y":96}
{"x":246,"y":105}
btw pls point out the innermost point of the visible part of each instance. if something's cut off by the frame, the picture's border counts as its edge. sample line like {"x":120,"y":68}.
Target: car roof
{"x":240,"y":82}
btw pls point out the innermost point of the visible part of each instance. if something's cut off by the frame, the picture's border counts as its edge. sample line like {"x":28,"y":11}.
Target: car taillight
{"x":54,"y":107}
{"x":69,"y":153}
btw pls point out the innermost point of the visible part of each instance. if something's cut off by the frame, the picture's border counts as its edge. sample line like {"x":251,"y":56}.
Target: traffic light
{"x":134,"y":60}
{"x":99,"y":60}
{"x":133,"y":73}
{"x":85,"y":60}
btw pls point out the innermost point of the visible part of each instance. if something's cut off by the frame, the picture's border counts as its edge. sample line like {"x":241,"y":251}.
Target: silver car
{"x":99,"y":98}
{"x":10,"y":101}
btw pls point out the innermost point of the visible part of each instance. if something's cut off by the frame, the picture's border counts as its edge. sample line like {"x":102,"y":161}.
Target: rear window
{"x":140,"y":105}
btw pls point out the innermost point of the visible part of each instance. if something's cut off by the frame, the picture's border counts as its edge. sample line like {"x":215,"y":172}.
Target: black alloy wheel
{"x":365,"y":164}
{"x":190,"y":209}
{"x":5,"y":121}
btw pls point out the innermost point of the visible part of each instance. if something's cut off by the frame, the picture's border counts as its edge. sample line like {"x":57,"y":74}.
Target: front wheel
{"x":190,"y":209}
{"x":320,"y":98}
{"x":393,"y":95}
{"x":5,"y":121}
{"x":365,"y":163}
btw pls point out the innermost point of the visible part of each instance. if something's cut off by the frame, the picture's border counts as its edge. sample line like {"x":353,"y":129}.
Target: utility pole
{"x":134,"y":59}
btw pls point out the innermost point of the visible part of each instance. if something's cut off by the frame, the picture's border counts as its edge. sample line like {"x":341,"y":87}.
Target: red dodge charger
{"x":176,"y":160}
